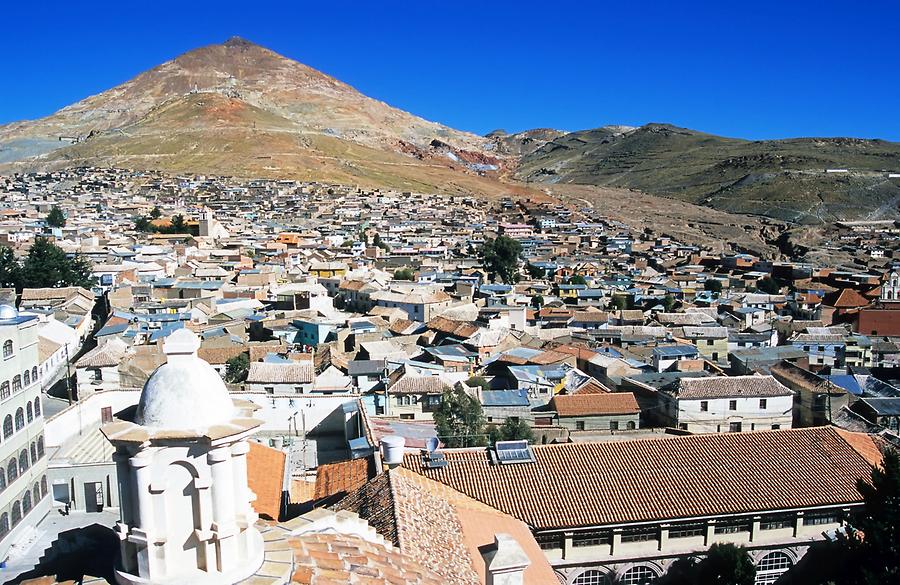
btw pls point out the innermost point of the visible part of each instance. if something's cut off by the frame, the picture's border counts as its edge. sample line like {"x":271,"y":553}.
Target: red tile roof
{"x":594,"y":484}
{"x":341,"y":478}
{"x":595,"y":404}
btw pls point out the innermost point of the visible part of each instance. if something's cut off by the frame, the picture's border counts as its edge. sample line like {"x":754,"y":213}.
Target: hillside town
{"x":438,"y":388}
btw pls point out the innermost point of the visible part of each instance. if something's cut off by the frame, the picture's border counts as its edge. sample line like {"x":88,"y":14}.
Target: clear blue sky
{"x":753,"y":69}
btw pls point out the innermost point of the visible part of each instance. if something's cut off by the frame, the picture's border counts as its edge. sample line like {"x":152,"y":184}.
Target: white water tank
{"x":392,"y":449}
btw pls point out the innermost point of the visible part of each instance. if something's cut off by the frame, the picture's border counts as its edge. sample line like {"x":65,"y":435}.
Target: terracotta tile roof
{"x":333,"y":559}
{"x":265,"y":476}
{"x":461,"y":329}
{"x":340,"y":478}
{"x":591,"y":386}
{"x":845,"y":299}
{"x":594,"y":484}
{"x":409,"y":384}
{"x":595,"y":404}
{"x":220,"y":355}
{"x":441,"y":526}
{"x":730,"y":387}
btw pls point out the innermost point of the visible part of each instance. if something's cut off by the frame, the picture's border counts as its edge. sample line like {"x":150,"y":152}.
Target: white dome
{"x":8,"y":312}
{"x":185,"y":393}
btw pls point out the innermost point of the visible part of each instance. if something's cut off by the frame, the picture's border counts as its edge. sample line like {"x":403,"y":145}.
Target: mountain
{"x":784,"y":179}
{"x":240,"y":109}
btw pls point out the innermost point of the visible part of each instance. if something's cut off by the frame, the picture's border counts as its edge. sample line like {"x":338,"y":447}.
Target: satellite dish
{"x":432,"y":444}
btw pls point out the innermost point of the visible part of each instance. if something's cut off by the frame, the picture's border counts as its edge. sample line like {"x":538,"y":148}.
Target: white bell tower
{"x":181,"y":459}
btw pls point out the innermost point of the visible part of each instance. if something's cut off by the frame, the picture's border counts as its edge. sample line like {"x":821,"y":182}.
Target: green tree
{"x":769,"y":285}
{"x":56,"y":218}
{"x":512,"y":429}
{"x":376,"y":241}
{"x":669,"y":303}
{"x":577,"y":279}
{"x":10,"y":271}
{"x":619,"y":302}
{"x":535,"y":272}
{"x":459,"y":420}
{"x":179,"y":226}
{"x":537,"y":301}
{"x":501,"y":258}
{"x":156,"y":213}
{"x":404,"y":274}
{"x":142,"y":224}
{"x":46,"y":265}
{"x":724,"y":564}
{"x":480,"y":381}
{"x":713,"y":285}
{"x":236,"y":368}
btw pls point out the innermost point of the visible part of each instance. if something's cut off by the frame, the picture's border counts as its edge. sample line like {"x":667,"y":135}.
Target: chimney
{"x":505,"y":561}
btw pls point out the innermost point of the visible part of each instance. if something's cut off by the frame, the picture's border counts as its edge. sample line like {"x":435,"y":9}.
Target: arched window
{"x":630,"y":425}
{"x":4,"y":391}
{"x":37,"y":406}
{"x":639,"y":575}
{"x":592,"y":577}
{"x":17,"y":383}
{"x":4,"y":524}
{"x":43,"y":486}
{"x":7,"y":426}
{"x":23,"y":461}
{"x":29,"y":413}
{"x":771,"y":567}
{"x":2,"y":480}
{"x":20,"y":418}
{"x":34,"y":456}
{"x":34,"y":373}
{"x":16,"y":513}
{"x":26,"y":502}
{"x":7,"y":348}
{"x":40,"y":446}
{"x":36,"y":493}
{"x":26,"y":378}
{"x":12,"y":470}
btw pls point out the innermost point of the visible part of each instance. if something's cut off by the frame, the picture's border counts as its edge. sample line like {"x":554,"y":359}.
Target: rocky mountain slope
{"x":238,"y":108}
{"x":784,"y":179}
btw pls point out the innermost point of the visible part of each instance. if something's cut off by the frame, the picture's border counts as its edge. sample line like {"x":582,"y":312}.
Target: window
{"x":17,"y":383}
{"x":12,"y":471}
{"x":579,"y":425}
{"x":704,"y":406}
{"x":2,"y":480}
{"x":7,"y":426}
{"x":630,"y":425}
{"x":7,"y":348}
{"x":23,"y":461}
{"x":771,"y":567}
{"x":820,"y":518}
{"x":734,"y":427}
{"x":16,"y":514}
{"x":640,"y":575}
{"x":37,"y":407}
{"x":614,"y":425}
{"x":26,"y":378}
{"x":592,"y":538}
{"x":4,"y":391}
{"x":34,"y":456}
{"x":640,"y":534}
{"x":687,"y":530}
{"x":4,"y":524}
{"x":776,"y":427}
{"x":40,"y":446}
{"x":106,"y":414}
{"x":29,"y":413}
{"x":592,"y":577}
{"x":778,"y":522}
{"x":733,"y":526}
{"x":43,"y":486}
{"x":34,"y":373}
{"x":20,"y":418}
{"x":732,"y":405}
{"x":36,"y":493}
{"x":548,"y":541}
{"x":762,"y":403}
{"x":26,"y":503}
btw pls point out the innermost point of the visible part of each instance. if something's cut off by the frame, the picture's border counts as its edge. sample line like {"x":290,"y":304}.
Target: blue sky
{"x":749,"y":69}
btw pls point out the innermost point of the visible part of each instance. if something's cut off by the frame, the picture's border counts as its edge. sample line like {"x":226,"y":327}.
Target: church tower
{"x":181,"y":459}
{"x":890,"y":288}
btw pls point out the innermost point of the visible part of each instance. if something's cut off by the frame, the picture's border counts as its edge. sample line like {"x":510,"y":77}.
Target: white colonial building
{"x":181,"y":458}
{"x":23,"y":467}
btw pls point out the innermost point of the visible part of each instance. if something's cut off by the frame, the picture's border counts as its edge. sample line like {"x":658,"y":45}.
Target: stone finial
{"x":505,"y":561}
